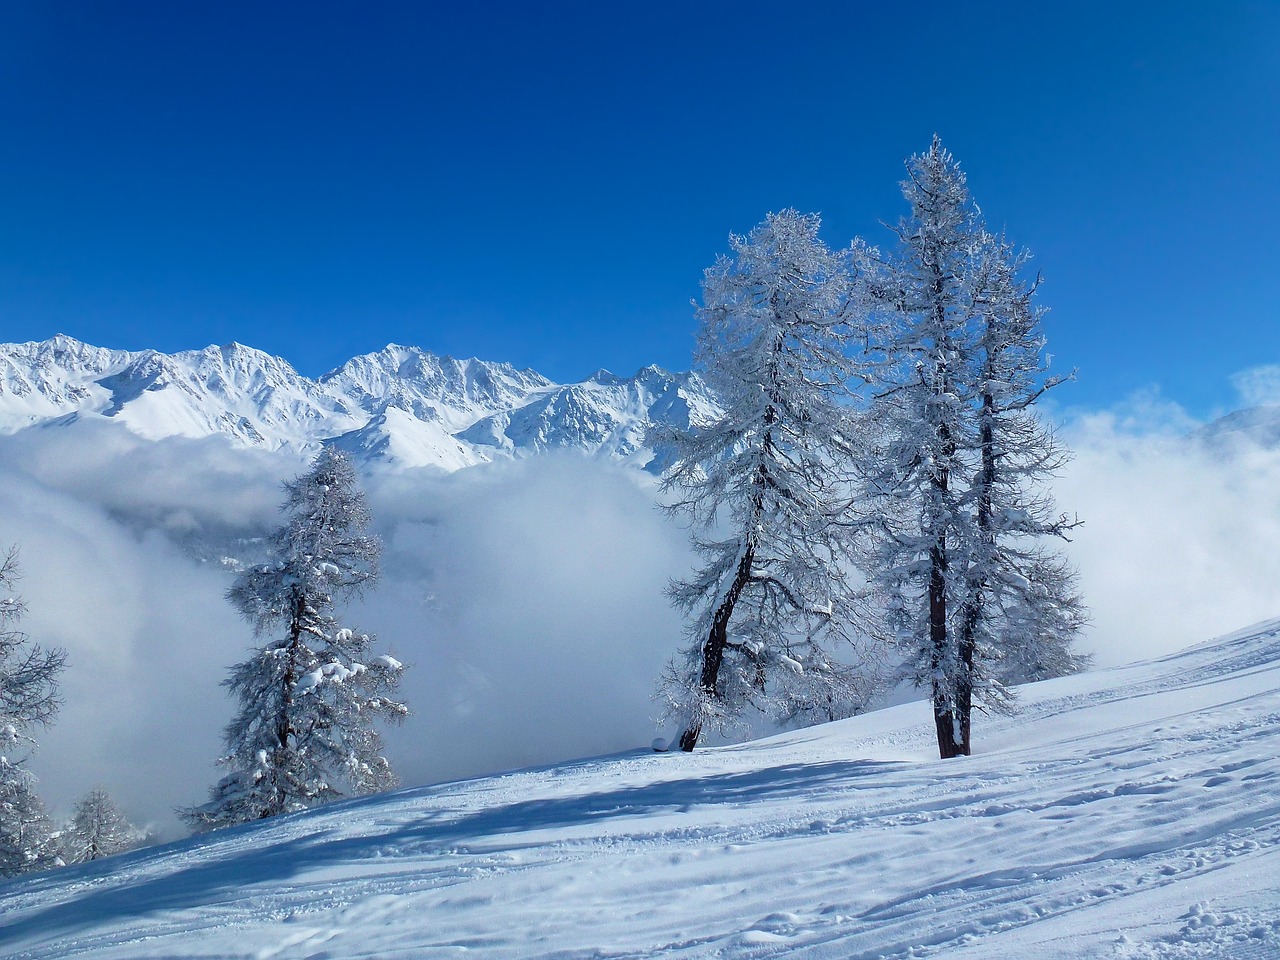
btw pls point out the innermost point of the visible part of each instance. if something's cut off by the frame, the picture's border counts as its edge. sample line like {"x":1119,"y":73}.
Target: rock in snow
{"x":1126,"y":813}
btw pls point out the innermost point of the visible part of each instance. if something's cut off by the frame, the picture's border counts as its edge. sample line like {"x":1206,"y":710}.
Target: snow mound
{"x":1127,"y":813}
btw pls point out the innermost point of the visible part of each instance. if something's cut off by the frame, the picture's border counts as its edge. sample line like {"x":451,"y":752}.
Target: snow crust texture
{"x":1131,"y":813}
{"x":402,"y":405}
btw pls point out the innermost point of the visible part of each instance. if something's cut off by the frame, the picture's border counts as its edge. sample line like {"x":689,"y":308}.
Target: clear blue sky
{"x":544,"y":182}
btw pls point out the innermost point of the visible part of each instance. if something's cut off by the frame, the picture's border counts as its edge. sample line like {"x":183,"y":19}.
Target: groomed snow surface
{"x":1128,"y":813}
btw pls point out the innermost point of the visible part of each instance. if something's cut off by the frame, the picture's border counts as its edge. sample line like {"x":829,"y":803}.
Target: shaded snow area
{"x":1128,"y":813}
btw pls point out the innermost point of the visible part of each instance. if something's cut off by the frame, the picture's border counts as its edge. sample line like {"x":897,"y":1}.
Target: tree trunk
{"x":975,"y":602}
{"x":689,"y":739}
{"x":718,"y":635}
{"x":952,"y":728}
{"x":950,"y":717}
{"x":717,"y":640}
{"x":944,"y":720}
{"x":284,"y":723}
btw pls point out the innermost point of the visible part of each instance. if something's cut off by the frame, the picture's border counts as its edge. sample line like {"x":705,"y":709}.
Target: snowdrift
{"x":1128,"y":813}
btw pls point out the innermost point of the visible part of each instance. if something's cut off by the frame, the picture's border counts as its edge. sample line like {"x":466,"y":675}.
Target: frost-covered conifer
{"x":759,"y":483}
{"x":955,"y":479}
{"x":304,"y":733}
{"x":28,"y":699}
{"x":97,"y":829}
{"x":27,"y":839}
{"x":924,"y":418}
{"x":1022,"y":603}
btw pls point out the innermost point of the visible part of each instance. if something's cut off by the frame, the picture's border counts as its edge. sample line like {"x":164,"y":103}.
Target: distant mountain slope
{"x":454,"y":393}
{"x":401,"y":406}
{"x":1256,"y":425}
{"x":603,"y":414}
{"x":1127,"y":813}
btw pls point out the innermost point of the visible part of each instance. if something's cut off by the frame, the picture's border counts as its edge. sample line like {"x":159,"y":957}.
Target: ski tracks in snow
{"x":1130,"y":814}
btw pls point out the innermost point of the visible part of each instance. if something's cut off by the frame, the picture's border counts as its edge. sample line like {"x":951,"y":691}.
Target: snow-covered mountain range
{"x":402,"y":405}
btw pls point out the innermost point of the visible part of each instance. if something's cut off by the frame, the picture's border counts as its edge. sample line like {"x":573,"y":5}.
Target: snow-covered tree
{"x":772,"y":598}
{"x":1022,"y":602}
{"x":28,"y":841}
{"x":28,"y":699}
{"x":304,"y":733}
{"x":1040,"y":623}
{"x":955,"y":479}
{"x":97,"y":829}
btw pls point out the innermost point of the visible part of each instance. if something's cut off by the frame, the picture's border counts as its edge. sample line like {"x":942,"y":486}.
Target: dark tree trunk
{"x":952,"y":742}
{"x":717,"y":641}
{"x":952,"y":702}
{"x":976,"y":599}
{"x":950,"y":715}
{"x":284,"y":723}
{"x":718,"y":636}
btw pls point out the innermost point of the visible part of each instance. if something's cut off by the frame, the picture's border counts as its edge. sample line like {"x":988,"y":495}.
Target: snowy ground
{"x":1128,"y":813}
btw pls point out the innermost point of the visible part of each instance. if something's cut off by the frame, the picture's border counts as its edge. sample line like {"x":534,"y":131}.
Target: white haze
{"x":1178,"y":543}
{"x":1258,"y":386}
{"x":526,"y":596}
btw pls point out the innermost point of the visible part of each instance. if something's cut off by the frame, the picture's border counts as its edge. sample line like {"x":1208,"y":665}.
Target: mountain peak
{"x":62,"y":344}
{"x":401,"y":404}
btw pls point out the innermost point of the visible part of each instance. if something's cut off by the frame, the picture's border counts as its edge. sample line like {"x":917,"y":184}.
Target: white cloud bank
{"x":526,"y":596}
{"x":1179,"y":540}
{"x":1258,"y":386}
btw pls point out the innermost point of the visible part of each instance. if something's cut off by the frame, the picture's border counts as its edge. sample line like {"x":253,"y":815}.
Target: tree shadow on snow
{"x":223,"y":877}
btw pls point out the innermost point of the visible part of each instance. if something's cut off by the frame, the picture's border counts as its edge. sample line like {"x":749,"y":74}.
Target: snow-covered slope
{"x":1127,"y":813}
{"x":397,"y":436}
{"x":401,"y":405}
{"x":452,"y":392}
{"x":604,"y":415}
{"x":53,"y":377}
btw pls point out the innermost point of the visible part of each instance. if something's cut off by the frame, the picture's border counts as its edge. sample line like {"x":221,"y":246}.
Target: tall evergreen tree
{"x":97,"y":829}
{"x":304,"y":733}
{"x":772,"y":597}
{"x":28,"y":699}
{"x":956,"y":479}
{"x":1022,"y":605}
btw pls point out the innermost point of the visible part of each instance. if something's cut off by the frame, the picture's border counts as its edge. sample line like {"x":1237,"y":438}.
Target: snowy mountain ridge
{"x":1259,"y":426}
{"x":401,"y":405}
{"x":1128,"y":813}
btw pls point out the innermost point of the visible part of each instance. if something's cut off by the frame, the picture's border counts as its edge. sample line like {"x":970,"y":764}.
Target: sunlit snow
{"x":1126,"y":813}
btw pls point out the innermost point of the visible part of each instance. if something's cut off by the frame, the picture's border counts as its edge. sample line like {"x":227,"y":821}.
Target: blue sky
{"x":544,"y":183}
